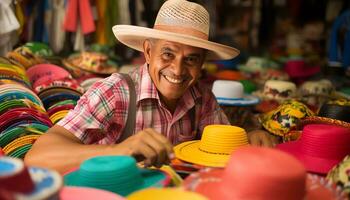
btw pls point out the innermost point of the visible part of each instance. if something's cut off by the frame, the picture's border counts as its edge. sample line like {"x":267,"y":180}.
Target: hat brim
{"x":134,"y":36}
{"x":47,"y":184}
{"x":189,"y":152}
{"x":312,"y":164}
{"x":151,"y":178}
{"x":207,"y":182}
{"x":73,"y":193}
{"x":323,"y":120}
{"x":246,"y":100}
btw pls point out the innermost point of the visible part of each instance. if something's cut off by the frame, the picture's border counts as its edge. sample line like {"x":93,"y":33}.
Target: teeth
{"x":173,"y":80}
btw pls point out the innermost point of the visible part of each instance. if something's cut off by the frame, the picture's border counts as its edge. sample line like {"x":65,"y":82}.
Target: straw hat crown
{"x":184,"y":14}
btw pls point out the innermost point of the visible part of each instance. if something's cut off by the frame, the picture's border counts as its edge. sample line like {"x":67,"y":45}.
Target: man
{"x":170,"y":105}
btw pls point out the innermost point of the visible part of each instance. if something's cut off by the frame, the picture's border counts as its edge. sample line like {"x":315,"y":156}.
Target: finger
{"x":254,"y":140}
{"x":147,"y":152}
{"x":159,"y":148}
{"x":163,"y":140}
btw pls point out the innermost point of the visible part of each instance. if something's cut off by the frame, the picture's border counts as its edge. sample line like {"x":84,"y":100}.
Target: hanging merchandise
{"x":8,"y":24}
{"x":339,"y":50}
{"x":57,"y":34}
{"x":79,"y":15}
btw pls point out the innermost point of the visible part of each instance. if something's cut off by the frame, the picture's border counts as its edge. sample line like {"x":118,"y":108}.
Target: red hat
{"x":320,"y":147}
{"x":259,"y":173}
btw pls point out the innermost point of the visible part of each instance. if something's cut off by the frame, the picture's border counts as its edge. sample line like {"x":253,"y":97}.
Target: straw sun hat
{"x":179,"y":21}
{"x":214,"y":148}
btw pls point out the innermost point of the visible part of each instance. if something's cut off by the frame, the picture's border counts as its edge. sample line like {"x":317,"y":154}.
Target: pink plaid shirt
{"x":101,"y":113}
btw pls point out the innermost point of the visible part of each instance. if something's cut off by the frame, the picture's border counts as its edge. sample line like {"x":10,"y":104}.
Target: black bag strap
{"x":130,"y":123}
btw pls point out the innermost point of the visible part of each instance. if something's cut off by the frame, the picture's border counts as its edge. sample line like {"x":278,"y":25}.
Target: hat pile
{"x":13,"y":74}
{"x":29,"y":54}
{"x":56,"y":88}
{"x":22,"y":119}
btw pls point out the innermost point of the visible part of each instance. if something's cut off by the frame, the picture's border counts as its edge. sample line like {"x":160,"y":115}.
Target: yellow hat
{"x":165,"y":193}
{"x":214,"y":148}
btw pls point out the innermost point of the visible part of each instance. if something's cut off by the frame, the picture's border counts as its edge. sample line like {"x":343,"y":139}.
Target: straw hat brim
{"x":207,"y":182}
{"x":189,"y":152}
{"x":134,"y":36}
{"x":312,"y":164}
{"x":247,"y":100}
{"x":151,"y":178}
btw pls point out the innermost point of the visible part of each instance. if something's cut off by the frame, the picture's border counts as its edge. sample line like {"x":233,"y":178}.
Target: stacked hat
{"x":26,"y":183}
{"x":13,"y":74}
{"x":257,"y":65}
{"x":29,"y":54}
{"x":320,"y":147}
{"x":214,"y":148}
{"x":286,"y":118}
{"x":315,"y":93}
{"x":333,"y":112}
{"x":231,"y":93}
{"x":56,"y":88}
{"x":22,"y":119}
{"x":280,"y":176}
{"x":118,"y":174}
{"x":340,"y":174}
{"x":87,"y":63}
{"x":273,"y":93}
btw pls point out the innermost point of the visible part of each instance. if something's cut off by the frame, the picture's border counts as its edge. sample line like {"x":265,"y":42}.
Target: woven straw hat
{"x":214,"y":148}
{"x":179,"y":21}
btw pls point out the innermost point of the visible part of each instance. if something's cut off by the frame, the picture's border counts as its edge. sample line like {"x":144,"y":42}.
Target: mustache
{"x":171,"y":74}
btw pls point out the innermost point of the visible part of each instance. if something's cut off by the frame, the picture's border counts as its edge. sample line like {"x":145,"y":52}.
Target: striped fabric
{"x":101,"y":113}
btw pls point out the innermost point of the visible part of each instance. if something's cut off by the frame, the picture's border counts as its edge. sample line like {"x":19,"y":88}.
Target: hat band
{"x":182,"y":30}
{"x":213,"y":152}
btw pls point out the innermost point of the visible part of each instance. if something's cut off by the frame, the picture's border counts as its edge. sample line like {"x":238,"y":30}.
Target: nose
{"x":178,"y":67}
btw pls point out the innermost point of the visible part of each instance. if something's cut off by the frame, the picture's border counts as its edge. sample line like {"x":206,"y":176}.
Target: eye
{"x":167,"y":56}
{"x":192,"y":60}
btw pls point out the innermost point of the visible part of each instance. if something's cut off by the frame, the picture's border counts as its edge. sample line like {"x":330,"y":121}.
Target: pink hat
{"x":73,"y":193}
{"x":320,"y":147}
{"x":257,"y":173}
{"x":299,"y":69}
{"x":43,"y":72}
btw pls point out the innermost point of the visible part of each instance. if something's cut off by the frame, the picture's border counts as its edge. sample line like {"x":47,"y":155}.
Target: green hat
{"x":118,"y":174}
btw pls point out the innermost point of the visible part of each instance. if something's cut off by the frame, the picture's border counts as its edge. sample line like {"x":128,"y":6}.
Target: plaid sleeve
{"x":101,"y":112}
{"x":211,"y":112}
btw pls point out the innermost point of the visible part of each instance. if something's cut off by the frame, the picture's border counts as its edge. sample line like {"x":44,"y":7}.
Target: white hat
{"x":231,"y":93}
{"x":178,"y":21}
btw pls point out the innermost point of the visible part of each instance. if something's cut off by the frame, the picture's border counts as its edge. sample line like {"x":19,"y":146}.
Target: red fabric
{"x":84,"y":16}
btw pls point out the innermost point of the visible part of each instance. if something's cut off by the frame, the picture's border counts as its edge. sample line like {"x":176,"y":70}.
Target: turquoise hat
{"x":118,"y":174}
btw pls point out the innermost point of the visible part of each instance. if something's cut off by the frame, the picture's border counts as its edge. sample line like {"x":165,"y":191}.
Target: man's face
{"x":173,"y":67}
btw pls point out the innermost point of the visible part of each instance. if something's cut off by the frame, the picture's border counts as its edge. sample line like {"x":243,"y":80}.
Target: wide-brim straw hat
{"x":280,"y":176}
{"x":178,"y":21}
{"x":214,"y":148}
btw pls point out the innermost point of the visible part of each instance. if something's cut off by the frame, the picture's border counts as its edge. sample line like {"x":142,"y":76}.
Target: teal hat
{"x":118,"y":174}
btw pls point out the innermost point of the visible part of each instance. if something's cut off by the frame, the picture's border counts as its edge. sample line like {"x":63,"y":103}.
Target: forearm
{"x":62,"y":153}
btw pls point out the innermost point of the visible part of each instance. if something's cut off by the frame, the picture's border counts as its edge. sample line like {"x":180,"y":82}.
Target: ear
{"x":147,"y":50}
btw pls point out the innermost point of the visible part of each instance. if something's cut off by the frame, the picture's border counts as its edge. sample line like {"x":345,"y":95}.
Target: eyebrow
{"x":168,"y":49}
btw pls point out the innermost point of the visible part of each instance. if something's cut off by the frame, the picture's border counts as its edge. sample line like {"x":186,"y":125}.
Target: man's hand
{"x":149,"y":146}
{"x":262,"y":138}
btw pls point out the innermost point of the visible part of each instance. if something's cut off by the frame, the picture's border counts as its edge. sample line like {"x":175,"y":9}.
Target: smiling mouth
{"x":174,"y":80}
